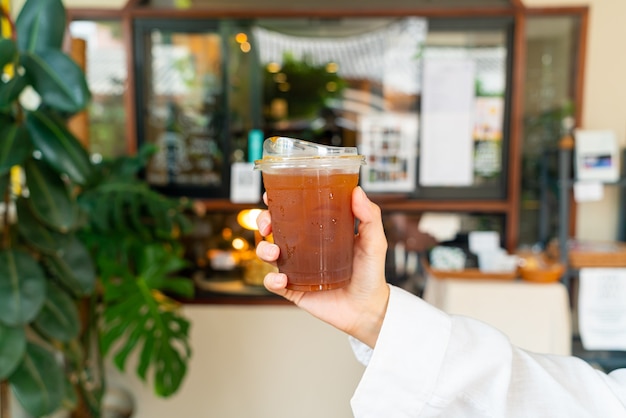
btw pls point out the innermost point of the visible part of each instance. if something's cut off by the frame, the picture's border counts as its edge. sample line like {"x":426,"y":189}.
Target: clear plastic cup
{"x":309,"y":190}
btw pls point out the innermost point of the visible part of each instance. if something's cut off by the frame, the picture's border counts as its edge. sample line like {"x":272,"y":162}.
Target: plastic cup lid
{"x":283,"y":151}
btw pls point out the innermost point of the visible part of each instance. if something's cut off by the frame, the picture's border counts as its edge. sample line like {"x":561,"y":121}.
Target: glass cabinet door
{"x":181,"y":111}
{"x":203,"y":85}
{"x":106,"y":75}
{"x":549,"y":110}
{"x":360,"y":81}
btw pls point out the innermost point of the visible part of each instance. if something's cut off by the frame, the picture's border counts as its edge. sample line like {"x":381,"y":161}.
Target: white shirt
{"x":429,"y":364}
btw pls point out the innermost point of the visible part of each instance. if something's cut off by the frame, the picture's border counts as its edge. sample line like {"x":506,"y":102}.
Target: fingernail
{"x":277,"y":280}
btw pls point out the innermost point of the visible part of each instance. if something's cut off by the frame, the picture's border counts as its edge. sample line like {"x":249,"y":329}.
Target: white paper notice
{"x":602,"y":308}
{"x":447,"y":147}
{"x":245,"y":183}
{"x":588,"y":191}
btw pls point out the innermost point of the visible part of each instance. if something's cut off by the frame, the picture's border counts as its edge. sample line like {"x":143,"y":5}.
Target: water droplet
{"x":331,"y":196}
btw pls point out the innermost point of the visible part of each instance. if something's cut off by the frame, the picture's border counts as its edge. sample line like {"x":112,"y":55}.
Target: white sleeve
{"x":428,"y":364}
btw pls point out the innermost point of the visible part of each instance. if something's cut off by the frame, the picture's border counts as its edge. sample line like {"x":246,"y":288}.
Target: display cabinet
{"x":202,"y":75}
{"x":347,"y":80}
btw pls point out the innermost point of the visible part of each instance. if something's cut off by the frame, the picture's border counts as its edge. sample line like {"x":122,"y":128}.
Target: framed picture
{"x":389,"y":142}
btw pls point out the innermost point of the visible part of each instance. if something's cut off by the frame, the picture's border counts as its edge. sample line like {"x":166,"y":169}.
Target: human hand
{"x":359,"y":308}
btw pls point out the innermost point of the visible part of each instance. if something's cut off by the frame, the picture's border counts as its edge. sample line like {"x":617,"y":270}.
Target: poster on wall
{"x":597,"y":155}
{"x":446,"y":144}
{"x":488,"y":125}
{"x":389,"y":142}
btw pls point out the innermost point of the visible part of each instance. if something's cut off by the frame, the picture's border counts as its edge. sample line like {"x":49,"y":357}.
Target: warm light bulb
{"x":247,"y":218}
{"x":241,"y":38}
{"x":332,"y":67}
{"x":273,"y":67}
{"x":240,"y":244}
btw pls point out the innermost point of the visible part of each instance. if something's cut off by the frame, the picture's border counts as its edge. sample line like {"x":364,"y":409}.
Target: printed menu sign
{"x":602,"y":308}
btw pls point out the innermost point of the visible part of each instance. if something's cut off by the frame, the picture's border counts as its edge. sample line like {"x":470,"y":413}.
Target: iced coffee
{"x":309,"y":188}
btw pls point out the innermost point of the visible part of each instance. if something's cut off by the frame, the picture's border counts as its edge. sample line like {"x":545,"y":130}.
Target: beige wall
{"x":256,"y":362}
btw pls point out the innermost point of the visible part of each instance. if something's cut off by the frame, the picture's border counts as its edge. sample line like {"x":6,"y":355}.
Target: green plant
{"x":305,"y":87}
{"x":133,"y":235}
{"x":69,"y":228}
{"x":44,"y":267}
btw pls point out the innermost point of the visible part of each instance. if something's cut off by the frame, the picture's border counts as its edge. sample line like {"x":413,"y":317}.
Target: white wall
{"x":256,"y":362}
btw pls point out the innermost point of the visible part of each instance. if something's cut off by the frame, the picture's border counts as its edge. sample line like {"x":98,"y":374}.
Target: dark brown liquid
{"x":313,"y":225}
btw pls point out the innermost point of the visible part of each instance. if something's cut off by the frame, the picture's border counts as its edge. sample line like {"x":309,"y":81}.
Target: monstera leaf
{"x":139,"y":317}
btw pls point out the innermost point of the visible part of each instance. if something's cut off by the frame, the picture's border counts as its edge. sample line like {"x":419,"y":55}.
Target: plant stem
{"x":6,"y":241}
{"x":4,"y":400}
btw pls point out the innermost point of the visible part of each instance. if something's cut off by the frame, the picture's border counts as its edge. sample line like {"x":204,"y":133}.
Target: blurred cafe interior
{"x":474,"y":117}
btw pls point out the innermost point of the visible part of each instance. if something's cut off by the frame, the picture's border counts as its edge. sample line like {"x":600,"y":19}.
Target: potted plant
{"x":53,"y":203}
{"x":133,"y":234}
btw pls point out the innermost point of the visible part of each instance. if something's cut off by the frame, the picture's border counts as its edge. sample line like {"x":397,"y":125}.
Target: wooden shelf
{"x":227,"y":205}
{"x":484,"y":206}
{"x":389,"y":203}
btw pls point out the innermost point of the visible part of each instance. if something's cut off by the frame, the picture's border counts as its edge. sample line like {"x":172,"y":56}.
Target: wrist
{"x":372,"y":317}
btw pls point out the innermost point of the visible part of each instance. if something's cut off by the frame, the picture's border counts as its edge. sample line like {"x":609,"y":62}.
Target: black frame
{"x":142,"y":28}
